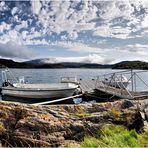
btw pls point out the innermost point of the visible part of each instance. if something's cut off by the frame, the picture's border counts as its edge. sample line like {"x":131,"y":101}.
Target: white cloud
{"x":83,"y":24}
{"x":144,"y":23}
{"x":4,"y":26}
{"x":11,"y":35}
{"x":91,"y":58}
{"x":116,"y":19}
{"x":138,"y":49}
{"x":24,"y":34}
{"x":36,"y":6}
{"x":80,"y":47}
{"x":34,"y":34}
{"x":22,"y":25}
{"x":13,"y":50}
{"x":144,"y":32}
{"x":74,"y":17}
{"x":36,"y":42}
{"x":116,"y":32}
{"x":60,"y":16}
{"x":3,"y":6}
{"x":14,"y":36}
{"x":14,"y":10}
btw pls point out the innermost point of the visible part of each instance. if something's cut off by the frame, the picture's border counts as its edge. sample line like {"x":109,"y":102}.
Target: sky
{"x":94,"y":31}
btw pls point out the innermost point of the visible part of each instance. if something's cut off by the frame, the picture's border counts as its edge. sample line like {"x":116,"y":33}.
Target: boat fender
{"x":6,"y":84}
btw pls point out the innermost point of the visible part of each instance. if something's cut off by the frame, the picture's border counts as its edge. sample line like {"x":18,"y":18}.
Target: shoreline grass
{"x":116,"y":136}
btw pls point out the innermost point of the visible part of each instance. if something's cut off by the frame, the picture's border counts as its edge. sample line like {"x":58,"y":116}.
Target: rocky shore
{"x":56,"y":125}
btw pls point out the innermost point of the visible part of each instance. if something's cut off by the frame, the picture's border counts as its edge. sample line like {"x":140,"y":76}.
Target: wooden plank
{"x":87,"y":86}
{"x":122,"y":93}
{"x":114,"y":92}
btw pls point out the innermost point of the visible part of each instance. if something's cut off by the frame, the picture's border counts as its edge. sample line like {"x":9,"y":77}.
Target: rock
{"x":137,"y":122}
{"x":126,"y":104}
{"x":58,"y":140}
{"x":77,"y":126}
{"x":28,"y":142}
{"x":146,"y":114}
{"x":95,"y":118}
{"x":96,"y":108}
{"x":142,"y":115}
{"x":28,"y":125}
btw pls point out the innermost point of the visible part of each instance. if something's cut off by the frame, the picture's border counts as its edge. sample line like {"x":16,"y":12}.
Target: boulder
{"x":126,"y":104}
{"x":28,"y":125}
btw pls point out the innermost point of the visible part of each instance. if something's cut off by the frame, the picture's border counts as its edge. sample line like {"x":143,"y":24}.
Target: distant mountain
{"x":45,"y":61}
{"x":13,"y":64}
{"x":53,"y":63}
{"x":131,"y":65}
{"x":85,"y":65}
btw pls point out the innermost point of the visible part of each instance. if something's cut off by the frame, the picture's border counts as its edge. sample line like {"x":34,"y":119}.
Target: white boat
{"x":121,"y":82}
{"x":21,"y":89}
{"x":39,"y":91}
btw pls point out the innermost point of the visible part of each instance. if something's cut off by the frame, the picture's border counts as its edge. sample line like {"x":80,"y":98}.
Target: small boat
{"x":121,"y":82}
{"x":21,"y":89}
{"x":53,"y":90}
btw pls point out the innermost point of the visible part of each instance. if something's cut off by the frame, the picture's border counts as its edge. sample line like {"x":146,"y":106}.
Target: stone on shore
{"x":28,"y":125}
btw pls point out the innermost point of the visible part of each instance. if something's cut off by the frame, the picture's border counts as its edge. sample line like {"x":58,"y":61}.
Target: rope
{"x":57,"y":100}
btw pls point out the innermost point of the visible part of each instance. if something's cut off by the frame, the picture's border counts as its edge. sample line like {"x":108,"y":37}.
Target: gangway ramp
{"x":115,"y":87}
{"x":121,"y":93}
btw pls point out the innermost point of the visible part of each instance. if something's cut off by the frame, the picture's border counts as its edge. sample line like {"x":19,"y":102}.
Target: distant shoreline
{"x":28,"y":65}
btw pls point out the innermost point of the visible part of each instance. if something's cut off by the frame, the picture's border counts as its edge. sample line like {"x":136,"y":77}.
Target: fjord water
{"x":54,"y":75}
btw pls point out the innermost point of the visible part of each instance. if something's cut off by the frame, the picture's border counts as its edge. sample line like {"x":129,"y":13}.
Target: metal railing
{"x":114,"y":83}
{"x":8,"y":76}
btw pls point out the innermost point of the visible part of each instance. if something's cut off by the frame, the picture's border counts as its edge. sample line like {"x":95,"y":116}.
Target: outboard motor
{"x":6,"y":84}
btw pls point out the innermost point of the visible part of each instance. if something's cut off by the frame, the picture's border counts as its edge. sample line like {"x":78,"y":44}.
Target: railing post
{"x":96,"y":81}
{"x":132,"y":79}
{"x":135,"y":83}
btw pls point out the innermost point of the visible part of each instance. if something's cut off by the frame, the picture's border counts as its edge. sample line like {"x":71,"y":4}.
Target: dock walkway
{"x":122,"y":93}
{"x":87,"y":86}
{"x":100,"y":89}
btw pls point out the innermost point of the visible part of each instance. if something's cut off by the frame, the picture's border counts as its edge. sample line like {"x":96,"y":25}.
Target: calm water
{"x":54,"y":75}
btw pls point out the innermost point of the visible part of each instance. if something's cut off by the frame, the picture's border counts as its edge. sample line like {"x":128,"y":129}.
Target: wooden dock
{"x":122,"y":93}
{"x":95,"y":89}
{"x":87,"y":86}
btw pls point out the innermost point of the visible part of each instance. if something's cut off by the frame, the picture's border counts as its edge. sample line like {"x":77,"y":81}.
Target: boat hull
{"x":38,"y":93}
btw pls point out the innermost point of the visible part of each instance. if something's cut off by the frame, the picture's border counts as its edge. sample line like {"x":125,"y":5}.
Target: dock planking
{"x":122,"y":93}
{"x":87,"y":86}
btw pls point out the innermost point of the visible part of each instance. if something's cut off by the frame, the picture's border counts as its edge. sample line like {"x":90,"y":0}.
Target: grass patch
{"x":82,"y":114}
{"x":114,"y":112}
{"x":116,"y":136}
{"x":143,"y":139}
